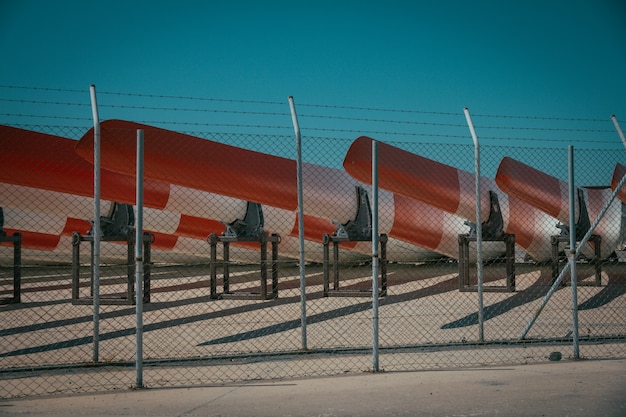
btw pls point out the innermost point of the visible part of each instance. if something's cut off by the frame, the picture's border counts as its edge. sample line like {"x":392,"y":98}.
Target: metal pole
{"x":479,"y":232}
{"x":96,"y":224}
{"x":557,"y":282}
{"x":139,"y":261}
{"x":619,"y":130}
{"x":572,"y":252}
{"x":566,"y":268}
{"x":296,"y":128}
{"x":375,"y":257}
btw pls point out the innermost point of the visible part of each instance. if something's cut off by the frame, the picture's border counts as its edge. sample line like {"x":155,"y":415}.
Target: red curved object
{"x":439,"y":185}
{"x":535,"y":187}
{"x":418,"y":223}
{"x":35,"y":240}
{"x":60,"y":169}
{"x":198,"y":228}
{"x":315,"y":228}
{"x":163,"y":241}
{"x":618,"y":174}
{"x":405,"y":173}
{"x":196,"y":163}
{"x":46,"y":241}
{"x":240,"y":173}
{"x":551,"y":195}
{"x":76,"y":225}
{"x":449,"y":189}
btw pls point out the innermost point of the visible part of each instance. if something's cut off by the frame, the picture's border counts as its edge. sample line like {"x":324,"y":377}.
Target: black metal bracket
{"x":493,"y":227}
{"x":336,"y":291}
{"x":16,"y":240}
{"x":251,"y":226}
{"x":225,"y":240}
{"x":126,"y":298}
{"x":583,"y":224}
{"x":464,"y":264}
{"x":119,"y":222}
{"x":248,"y":229}
{"x":492,"y":231}
{"x":357,"y":230}
{"x":596,"y":261}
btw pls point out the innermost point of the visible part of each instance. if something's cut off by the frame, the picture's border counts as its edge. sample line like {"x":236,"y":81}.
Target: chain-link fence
{"x":223,"y":285}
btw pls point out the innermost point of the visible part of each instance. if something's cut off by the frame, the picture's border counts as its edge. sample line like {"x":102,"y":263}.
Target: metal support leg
{"x":325,"y":263}
{"x":128,"y":297}
{"x":75,"y":265}
{"x":383,"y":265}
{"x":464,"y":264}
{"x":596,"y":261}
{"x":336,"y":290}
{"x":16,"y":240}
{"x":263,"y":240}
{"x":275,"y":241}
{"x":213,"y":264}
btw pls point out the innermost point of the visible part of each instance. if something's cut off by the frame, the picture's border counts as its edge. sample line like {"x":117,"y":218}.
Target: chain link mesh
{"x":226,"y":310}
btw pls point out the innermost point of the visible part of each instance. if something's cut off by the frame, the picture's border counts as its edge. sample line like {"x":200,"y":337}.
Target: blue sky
{"x":552,"y":59}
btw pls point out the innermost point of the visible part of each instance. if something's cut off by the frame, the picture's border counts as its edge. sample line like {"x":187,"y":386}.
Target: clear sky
{"x":522,"y":57}
{"x":553,"y":59}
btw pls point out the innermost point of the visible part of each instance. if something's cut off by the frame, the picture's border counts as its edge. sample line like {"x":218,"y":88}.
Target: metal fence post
{"x":619,"y":130}
{"x":296,"y":127}
{"x":375,"y":257}
{"x":479,"y":232}
{"x":572,"y":252}
{"x":139,"y":262}
{"x":583,"y":242}
{"x":96,"y":224}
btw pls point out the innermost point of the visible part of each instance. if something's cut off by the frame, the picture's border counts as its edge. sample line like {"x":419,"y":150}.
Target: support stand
{"x":336,"y":291}
{"x":264,"y":294}
{"x":16,"y":240}
{"x":250,"y":229}
{"x":582,"y":227}
{"x":492,"y":231}
{"x":596,"y":261}
{"x":464,"y":264}
{"x":357,"y":230}
{"x":126,"y":298}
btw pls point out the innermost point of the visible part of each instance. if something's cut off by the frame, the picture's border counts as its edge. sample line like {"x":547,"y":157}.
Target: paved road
{"x":568,"y":388}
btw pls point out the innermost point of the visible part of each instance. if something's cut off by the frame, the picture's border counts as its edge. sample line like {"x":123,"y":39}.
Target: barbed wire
{"x":161,"y":122}
{"x":550,"y":129}
{"x":567,"y":119}
{"x":62,"y":90}
{"x":240,"y":112}
{"x":57,"y":103}
{"x":344,"y":118}
{"x":44,"y":116}
{"x":311,"y":105}
{"x":179,"y":109}
{"x":356,"y":131}
{"x":449,"y":136}
{"x":435,"y":125}
{"x":459,"y":139}
{"x":221,"y":100}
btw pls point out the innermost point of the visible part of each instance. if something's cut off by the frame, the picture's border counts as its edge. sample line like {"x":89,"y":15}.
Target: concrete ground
{"x":567,"y":388}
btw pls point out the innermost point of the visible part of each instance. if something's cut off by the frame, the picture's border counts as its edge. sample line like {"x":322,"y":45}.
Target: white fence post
{"x":375,"y":258}
{"x":139,"y":262}
{"x":572,"y":252}
{"x":479,"y":231}
{"x":95,"y":262}
{"x":296,"y":127}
